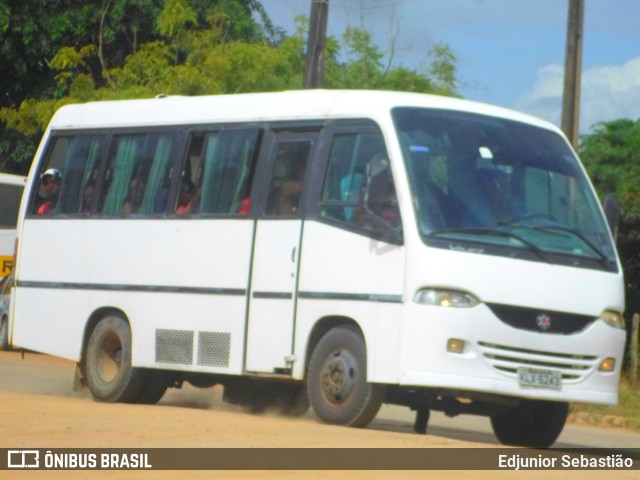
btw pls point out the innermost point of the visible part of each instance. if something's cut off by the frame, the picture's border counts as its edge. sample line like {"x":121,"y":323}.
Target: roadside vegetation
{"x":611,"y":155}
{"x":121,"y":49}
{"x":625,"y":415}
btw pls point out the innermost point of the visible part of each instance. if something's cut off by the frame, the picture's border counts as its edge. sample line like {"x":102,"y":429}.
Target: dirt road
{"x":40,"y":410}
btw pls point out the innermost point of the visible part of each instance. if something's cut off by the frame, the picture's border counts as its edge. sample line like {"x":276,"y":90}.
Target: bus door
{"x":276,"y":255}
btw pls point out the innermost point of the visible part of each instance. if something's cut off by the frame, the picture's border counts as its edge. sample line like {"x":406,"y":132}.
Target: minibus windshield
{"x":490,"y":185}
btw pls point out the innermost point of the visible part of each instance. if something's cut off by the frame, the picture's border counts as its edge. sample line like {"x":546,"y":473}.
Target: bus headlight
{"x":613,"y":319}
{"x":445,"y":298}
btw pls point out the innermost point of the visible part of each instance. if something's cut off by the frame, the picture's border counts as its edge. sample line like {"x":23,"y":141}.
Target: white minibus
{"x":11,"y":188}
{"x":341,"y":249}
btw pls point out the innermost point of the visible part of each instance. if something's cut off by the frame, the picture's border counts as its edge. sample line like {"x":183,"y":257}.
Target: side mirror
{"x":378,"y":175}
{"x":612,"y":213}
{"x":379,"y":200}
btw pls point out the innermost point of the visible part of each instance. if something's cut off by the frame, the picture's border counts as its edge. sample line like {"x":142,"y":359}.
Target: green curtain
{"x":68,"y":196}
{"x":242,"y":173}
{"x":158,"y":174}
{"x":210,"y":166}
{"x":121,"y":171}
{"x":92,"y":160}
{"x":80,"y":162}
{"x":88,"y":178}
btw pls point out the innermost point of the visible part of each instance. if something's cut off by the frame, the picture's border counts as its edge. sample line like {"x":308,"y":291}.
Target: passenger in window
{"x":87,"y":198}
{"x":497,"y":186}
{"x":162,"y":198}
{"x":134,"y":197}
{"x":51,"y":180}
{"x":351,"y":191}
{"x":243,"y":206}
{"x":381,"y":203}
{"x":186,"y":197}
{"x":285,"y":192}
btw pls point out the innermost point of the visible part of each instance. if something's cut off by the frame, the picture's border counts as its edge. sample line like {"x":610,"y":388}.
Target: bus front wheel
{"x":534,"y":423}
{"x":337,"y":380}
{"x":110,"y":376}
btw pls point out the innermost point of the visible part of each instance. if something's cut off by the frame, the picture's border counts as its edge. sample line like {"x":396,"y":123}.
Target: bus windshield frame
{"x":490,"y":185}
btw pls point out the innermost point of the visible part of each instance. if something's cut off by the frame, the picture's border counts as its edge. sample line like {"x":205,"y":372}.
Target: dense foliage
{"x":611,"y":154}
{"x":116,"y":49}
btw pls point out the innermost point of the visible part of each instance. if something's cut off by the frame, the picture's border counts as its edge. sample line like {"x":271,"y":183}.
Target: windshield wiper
{"x":495,"y":232}
{"x":560,"y":229}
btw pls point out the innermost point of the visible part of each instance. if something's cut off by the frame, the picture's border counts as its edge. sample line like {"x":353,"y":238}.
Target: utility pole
{"x":572,"y":71}
{"x":316,"y":44}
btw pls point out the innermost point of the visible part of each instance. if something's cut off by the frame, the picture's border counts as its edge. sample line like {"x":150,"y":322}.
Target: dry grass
{"x":624,"y":415}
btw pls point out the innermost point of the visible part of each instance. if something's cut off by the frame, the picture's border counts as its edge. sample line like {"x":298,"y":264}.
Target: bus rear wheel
{"x":110,"y":376}
{"x":534,"y":424}
{"x":337,"y":380}
{"x":154,"y":386}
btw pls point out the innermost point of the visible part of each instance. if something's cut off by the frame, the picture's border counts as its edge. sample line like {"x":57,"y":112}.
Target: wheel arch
{"x":321,"y":327}
{"x":91,"y":323}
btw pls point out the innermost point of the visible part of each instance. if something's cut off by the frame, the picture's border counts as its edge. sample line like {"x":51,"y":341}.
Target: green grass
{"x":624,"y":415}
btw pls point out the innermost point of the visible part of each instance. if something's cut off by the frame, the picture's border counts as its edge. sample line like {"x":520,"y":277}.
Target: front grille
{"x":538,"y":320}
{"x":506,"y":360}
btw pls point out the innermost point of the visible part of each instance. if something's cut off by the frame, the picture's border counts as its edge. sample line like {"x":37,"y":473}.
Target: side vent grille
{"x":213,"y":349}
{"x":177,"y":347}
{"x":174,"y":346}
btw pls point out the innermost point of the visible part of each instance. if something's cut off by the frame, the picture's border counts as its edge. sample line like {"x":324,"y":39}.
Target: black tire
{"x":337,"y":380}
{"x":110,"y":376}
{"x":294,"y":401}
{"x":4,"y":333}
{"x":154,"y":387}
{"x":534,"y":424}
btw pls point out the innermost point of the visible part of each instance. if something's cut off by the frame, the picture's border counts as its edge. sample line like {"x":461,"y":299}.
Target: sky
{"x":509,"y":53}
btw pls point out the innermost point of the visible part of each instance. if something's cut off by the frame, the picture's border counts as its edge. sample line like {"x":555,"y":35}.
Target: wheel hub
{"x":109,"y":359}
{"x":338,"y":377}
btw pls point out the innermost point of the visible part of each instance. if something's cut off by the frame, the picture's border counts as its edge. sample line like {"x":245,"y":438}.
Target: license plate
{"x":533,"y":377}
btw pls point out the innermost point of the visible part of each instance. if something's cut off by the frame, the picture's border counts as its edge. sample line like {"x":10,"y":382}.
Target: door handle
{"x":293,"y":255}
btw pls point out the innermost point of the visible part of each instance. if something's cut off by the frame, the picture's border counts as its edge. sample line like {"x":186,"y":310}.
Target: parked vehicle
{"x":5,"y":299}
{"x":11,"y":188}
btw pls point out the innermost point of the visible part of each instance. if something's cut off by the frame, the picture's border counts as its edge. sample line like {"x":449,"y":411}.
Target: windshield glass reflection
{"x":497,"y":182}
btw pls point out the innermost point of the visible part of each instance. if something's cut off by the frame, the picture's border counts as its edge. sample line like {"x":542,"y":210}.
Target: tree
{"x":67,"y":52}
{"x":611,"y":154}
{"x":198,"y":50}
{"x":364,"y":69}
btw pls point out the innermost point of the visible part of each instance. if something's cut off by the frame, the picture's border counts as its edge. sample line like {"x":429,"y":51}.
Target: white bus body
{"x":11,"y":188}
{"x":179,"y":245}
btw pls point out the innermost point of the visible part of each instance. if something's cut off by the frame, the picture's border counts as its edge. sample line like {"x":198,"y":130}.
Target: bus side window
{"x":155,"y":172}
{"x":352,"y":156}
{"x":288,"y":176}
{"x":219,"y":171}
{"x":139,"y":172}
{"x":71,"y":166}
{"x":121,"y":188}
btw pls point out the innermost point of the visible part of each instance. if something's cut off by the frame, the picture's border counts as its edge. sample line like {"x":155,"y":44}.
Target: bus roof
{"x":254,"y":107}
